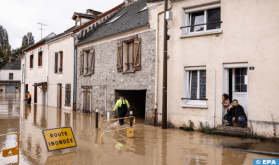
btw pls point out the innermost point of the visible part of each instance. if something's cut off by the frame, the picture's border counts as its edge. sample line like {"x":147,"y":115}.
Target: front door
{"x":237,"y":86}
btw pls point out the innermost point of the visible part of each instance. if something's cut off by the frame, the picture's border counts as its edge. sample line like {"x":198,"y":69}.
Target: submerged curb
{"x":256,"y":152}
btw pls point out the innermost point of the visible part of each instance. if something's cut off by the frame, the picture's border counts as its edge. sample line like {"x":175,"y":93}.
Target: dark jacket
{"x":237,"y":112}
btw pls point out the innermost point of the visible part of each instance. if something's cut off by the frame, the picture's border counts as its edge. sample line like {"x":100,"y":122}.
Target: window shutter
{"x":88,"y":100}
{"x":119,"y":56}
{"x":137,"y":53}
{"x":84,"y":92}
{"x":92,"y":67}
{"x":56,"y":63}
{"x":81,"y":63}
{"x":68,"y":95}
{"x":39,"y":59}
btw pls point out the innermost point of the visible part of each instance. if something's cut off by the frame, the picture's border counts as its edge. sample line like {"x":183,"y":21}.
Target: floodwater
{"x":151,"y":145}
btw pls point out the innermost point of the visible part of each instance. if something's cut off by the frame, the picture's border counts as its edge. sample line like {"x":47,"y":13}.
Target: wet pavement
{"x":151,"y":145}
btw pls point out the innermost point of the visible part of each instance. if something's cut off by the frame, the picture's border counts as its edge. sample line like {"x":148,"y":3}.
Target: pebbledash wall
{"x":106,"y":65}
{"x":234,"y":44}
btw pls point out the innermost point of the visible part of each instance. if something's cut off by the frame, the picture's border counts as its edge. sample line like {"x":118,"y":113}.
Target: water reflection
{"x":149,"y":146}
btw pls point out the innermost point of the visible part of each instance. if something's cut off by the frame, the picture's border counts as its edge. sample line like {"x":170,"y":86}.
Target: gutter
{"x":157,"y":61}
{"x":74,"y":77}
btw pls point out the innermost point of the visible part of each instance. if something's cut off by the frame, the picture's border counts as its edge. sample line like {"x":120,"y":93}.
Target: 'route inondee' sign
{"x":59,"y":138}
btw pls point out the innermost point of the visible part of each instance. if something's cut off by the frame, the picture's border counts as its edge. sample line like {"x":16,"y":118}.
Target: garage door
{"x":10,"y":89}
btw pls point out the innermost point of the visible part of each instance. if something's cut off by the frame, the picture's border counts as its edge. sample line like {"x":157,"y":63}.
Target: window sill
{"x":196,"y":34}
{"x":88,"y":74}
{"x":31,"y":68}
{"x":40,"y":66}
{"x":130,"y":71}
{"x":194,"y":106}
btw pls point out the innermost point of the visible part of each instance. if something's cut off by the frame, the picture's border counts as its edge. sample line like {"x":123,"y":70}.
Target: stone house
{"x":118,"y":57}
{"x":216,"y":49}
{"x":10,"y":76}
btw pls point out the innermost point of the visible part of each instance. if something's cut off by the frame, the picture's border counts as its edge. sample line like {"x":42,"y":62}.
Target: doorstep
{"x":236,"y":130}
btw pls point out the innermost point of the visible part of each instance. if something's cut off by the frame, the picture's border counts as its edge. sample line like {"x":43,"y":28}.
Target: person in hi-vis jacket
{"x":122,"y":105}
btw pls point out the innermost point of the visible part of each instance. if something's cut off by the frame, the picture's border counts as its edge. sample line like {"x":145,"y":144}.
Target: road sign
{"x":59,"y":138}
{"x":65,"y":159}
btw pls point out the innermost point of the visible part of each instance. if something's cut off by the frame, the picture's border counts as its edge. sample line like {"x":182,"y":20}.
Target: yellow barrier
{"x":14,"y":150}
{"x":101,"y":134}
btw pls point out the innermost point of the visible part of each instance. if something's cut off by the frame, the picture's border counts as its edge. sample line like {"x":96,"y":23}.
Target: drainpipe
{"x":47,"y":75}
{"x":74,"y":77}
{"x":24,"y":75}
{"x":106,"y":99}
{"x":214,"y":98}
{"x":157,"y":62}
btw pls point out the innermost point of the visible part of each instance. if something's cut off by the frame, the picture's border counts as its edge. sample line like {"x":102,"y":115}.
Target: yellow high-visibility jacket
{"x":119,"y":103}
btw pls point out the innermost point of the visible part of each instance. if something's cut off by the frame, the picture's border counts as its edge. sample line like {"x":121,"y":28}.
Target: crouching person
{"x":236,"y":114}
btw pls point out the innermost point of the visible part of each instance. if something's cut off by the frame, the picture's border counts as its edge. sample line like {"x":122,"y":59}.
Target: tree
{"x":31,"y":39}
{"x":5,"y":47}
{"x":24,"y":41}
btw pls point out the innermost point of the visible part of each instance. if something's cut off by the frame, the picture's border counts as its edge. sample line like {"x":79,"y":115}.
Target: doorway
{"x":137,"y":101}
{"x":236,"y":85}
{"x":35,"y":94}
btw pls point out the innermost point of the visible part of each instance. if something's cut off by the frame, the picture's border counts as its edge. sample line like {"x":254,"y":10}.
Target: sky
{"x":19,"y":17}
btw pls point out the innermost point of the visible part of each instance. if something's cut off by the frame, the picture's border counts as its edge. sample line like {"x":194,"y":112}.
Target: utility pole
{"x":165,"y":74}
{"x":42,"y":29}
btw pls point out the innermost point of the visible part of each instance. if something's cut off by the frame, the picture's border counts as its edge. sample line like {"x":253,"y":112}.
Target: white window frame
{"x":187,"y":89}
{"x":186,"y":21}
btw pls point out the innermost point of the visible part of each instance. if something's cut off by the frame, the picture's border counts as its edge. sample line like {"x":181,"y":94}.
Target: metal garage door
{"x":10,"y":89}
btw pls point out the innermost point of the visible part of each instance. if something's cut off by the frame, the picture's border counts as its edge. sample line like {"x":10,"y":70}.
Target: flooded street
{"x":151,"y":145}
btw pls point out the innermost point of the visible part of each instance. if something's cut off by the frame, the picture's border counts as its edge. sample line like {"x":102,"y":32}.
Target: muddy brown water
{"x":151,"y":145}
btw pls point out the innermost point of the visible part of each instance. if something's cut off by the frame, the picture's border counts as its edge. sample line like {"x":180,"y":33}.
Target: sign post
{"x":59,"y":138}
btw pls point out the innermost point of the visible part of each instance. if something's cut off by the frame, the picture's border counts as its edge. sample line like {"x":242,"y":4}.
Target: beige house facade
{"x":61,"y":70}
{"x":218,"y":47}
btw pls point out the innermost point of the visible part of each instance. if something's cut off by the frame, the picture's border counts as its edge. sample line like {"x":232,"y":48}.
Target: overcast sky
{"x":21,"y":16}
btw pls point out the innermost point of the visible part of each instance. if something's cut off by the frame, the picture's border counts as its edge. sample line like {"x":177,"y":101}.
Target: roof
{"x":13,"y":65}
{"x":132,"y":19}
{"x":83,"y":16}
{"x":61,"y":34}
{"x":98,"y":18}
{"x":47,"y":38}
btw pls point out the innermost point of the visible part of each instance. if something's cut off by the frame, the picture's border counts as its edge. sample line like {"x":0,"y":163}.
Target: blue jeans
{"x":241,"y":120}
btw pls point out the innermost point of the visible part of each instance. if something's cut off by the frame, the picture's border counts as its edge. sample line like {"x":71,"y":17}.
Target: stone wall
{"x":106,"y":66}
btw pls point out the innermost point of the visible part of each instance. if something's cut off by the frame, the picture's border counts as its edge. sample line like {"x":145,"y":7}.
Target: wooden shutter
{"x":56,"y":63}
{"x":84,"y":93}
{"x":81,"y":63}
{"x":92,"y":67}
{"x":137,"y":54}
{"x":31,"y":61}
{"x":119,"y":56}
{"x":88,"y":100}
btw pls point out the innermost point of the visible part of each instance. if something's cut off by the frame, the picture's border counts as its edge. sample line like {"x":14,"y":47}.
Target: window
{"x":58,"y":64}
{"x":11,"y":76}
{"x":240,"y":80}
{"x":195,"y":87}
{"x":61,"y":62}
{"x":87,"y":62}
{"x":31,"y":61}
{"x":68,"y":95}
{"x":86,"y":96}
{"x":202,"y":20}
{"x":205,"y":20}
{"x":78,"y":23}
{"x":40,"y":58}
{"x":129,"y":55}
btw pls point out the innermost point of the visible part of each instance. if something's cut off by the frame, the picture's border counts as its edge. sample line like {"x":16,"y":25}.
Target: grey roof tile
{"x":133,"y":19}
{"x":13,"y":65}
